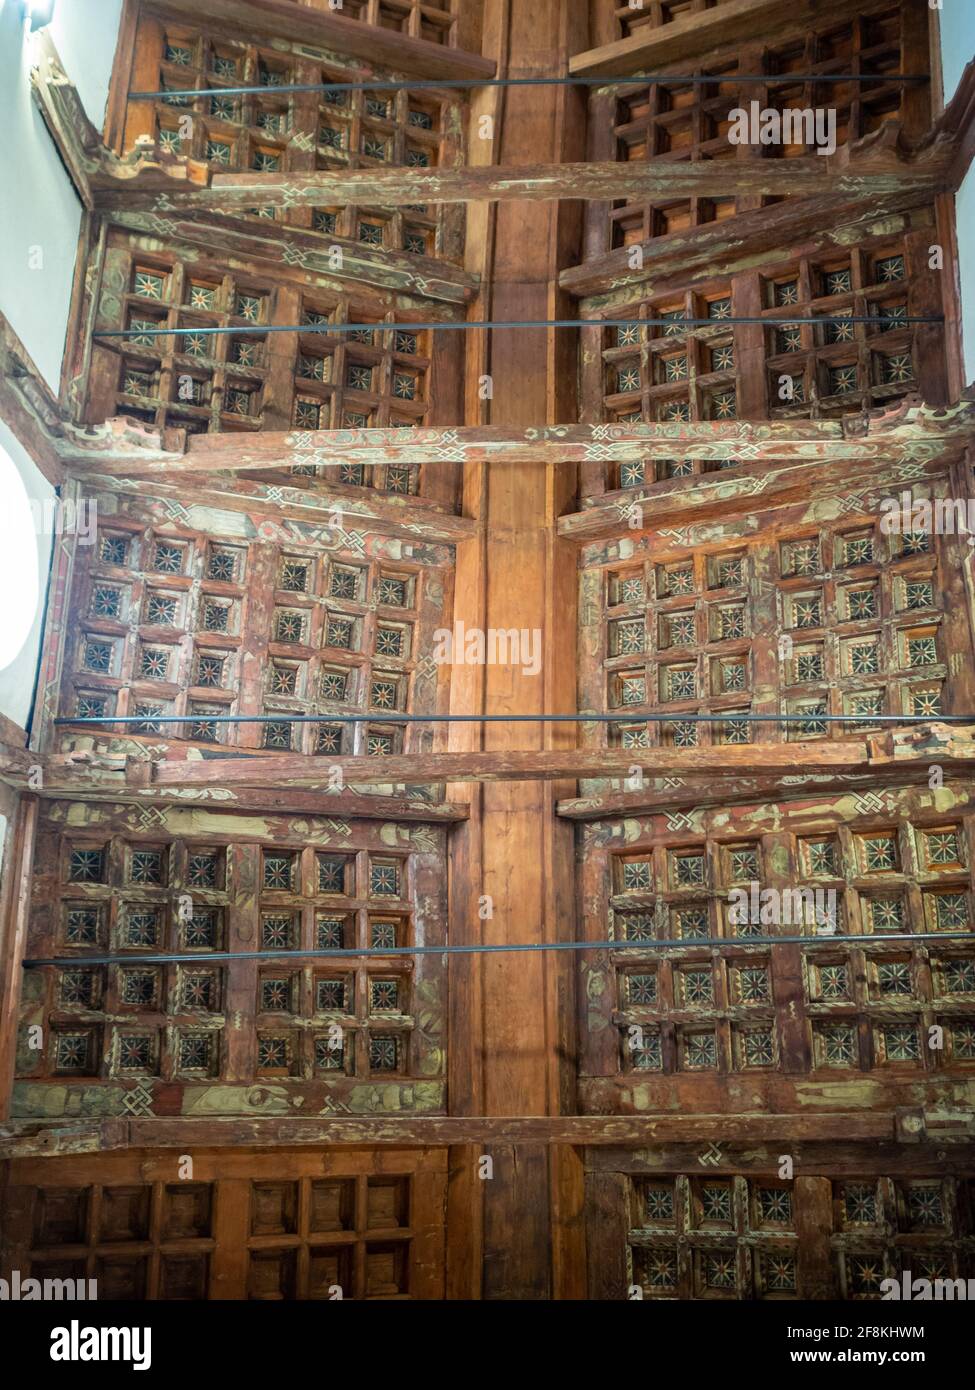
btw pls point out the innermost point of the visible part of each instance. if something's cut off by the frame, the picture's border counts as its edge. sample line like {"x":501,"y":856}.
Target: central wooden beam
{"x":166,"y":187}
{"x":506,"y":765}
{"x":127,"y":449}
{"x":30,"y":1139}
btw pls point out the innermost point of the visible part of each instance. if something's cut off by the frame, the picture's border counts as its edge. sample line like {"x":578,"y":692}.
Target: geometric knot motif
{"x":294,"y":255}
{"x":355,"y":540}
{"x":175,"y":510}
{"x":138,"y":1101}
{"x":711,"y":1156}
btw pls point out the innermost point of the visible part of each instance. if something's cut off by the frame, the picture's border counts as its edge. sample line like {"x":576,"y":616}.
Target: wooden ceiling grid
{"x":688,"y":514}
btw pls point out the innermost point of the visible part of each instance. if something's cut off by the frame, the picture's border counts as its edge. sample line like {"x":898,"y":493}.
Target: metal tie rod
{"x":462,"y":325}
{"x":430,"y":84}
{"x":489,"y":948}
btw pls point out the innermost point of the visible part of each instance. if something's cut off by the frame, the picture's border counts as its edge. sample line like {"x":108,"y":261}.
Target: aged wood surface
{"x":209,"y":1236}
{"x":14,"y":913}
{"x":98,"y":785}
{"x":127,"y":449}
{"x":875,"y":172}
{"x":21,"y":1138}
{"x":276,"y":881}
{"x":693,"y":793}
{"x":687,"y":34}
{"x":567,"y":482}
{"x":441,"y":282}
{"x":951,"y":746}
{"x":780,"y":489}
{"x":28,"y":405}
{"x":515,"y":766}
{"x":321,"y":26}
{"x":311,"y":510}
{"x":695,"y":255}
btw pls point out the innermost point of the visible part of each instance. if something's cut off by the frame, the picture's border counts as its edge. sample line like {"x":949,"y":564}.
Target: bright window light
{"x":19,"y":591}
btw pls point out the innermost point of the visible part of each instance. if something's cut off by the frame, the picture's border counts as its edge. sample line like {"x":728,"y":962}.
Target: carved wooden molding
{"x":126,"y":448}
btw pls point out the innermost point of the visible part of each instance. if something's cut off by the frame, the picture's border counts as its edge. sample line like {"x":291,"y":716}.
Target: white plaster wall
{"x":40,"y":218}
{"x":958,"y":48}
{"x":85,"y":33}
{"x":17,"y":679}
{"x":40,"y":215}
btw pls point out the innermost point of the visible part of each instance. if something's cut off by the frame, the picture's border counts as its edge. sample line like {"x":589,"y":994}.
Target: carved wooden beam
{"x":682,"y":259}
{"x":307,"y":251}
{"x":127,"y":449}
{"x":21,"y":1139}
{"x":27,"y":404}
{"x":668,"y":794}
{"x":870,"y":170}
{"x":15,"y":762}
{"x":724,"y":496}
{"x":358,"y":509}
{"x":952,"y":747}
{"x":78,"y":142}
{"x":549,"y":765}
{"x":958,"y":123}
{"x":73,"y":776}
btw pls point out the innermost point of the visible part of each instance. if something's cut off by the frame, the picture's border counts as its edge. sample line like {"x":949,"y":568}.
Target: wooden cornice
{"x":127,"y":449}
{"x":322,"y":28}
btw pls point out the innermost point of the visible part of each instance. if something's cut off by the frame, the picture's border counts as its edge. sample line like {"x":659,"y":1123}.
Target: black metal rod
{"x":485,"y":948}
{"x":633,"y":717}
{"x":458,"y":325}
{"x":432,"y":84}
